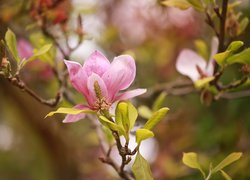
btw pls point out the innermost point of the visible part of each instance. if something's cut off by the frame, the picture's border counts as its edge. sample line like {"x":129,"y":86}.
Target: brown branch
{"x":222,"y":25}
{"x":16,"y":81}
{"x":123,"y":151}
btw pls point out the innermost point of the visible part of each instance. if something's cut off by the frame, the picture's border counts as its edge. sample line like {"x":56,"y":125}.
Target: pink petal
{"x":130,"y":94}
{"x":91,"y":88}
{"x":120,"y":75}
{"x":73,"y":118}
{"x":214,"y":50}
{"x":187,"y":63}
{"x":24,"y":48}
{"x":96,"y":63}
{"x":78,"y":77}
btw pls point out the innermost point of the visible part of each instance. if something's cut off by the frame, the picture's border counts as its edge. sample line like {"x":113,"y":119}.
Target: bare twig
{"x":16,"y":81}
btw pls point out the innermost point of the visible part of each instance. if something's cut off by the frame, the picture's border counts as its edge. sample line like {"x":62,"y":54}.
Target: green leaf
{"x":203,"y":82}
{"x":221,"y":57}
{"x":243,"y":25}
{"x":181,"y":4}
{"x":126,"y":115}
{"x":235,"y":45}
{"x":37,"y":54}
{"x":191,"y":160}
{"x":112,"y":126}
{"x":196,"y":4}
{"x":142,"y":134}
{"x":42,"y":50}
{"x":132,"y":115}
{"x":159,"y":101}
{"x":38,"y":41}
{"x":10,"y":39}
{"x":225,"y":175}
{"x":155,"y":118}
{"x":145,"y":112}
{"x":228,"y":160}
{"x":73,"y":111}
{"x":122,"y":115}
{"x":243,"y":57}
{"x":141,"y":168}
{"x":202,"y":48}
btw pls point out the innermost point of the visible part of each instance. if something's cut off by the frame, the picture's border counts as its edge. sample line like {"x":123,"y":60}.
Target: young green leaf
{"x":221,"y":57}
{"x":10,"y":39}
{"x":191,"y":160}
{"x":155,"y":118}
{"x":196,"y":4}
{"x":181,"y":4}
{"x":202,"y":48}
{"x":126,"y":115}
{"x":44,"y":49}
{"x":141,"y":168}
{"x":159,"y":101}
{"x":203,"y":82}
{"x":112,"y":126}
{"x":235,"y":45}
{"x":73,"y":111}
{"x":225,"y":175}
{"x":145,"y":112}
{"x":142,"y":134}
{"x":122,"y":113}
{"x":228,"y":160}
{"x":243,"y":25}
{"x":132,"y":115}
{"x":243,"y":57}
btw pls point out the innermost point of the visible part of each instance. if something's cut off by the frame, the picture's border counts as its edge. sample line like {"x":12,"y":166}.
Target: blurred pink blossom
{"x":194,"y":66}
{"x":24,"y":48}
{"x":42,"y":69}
{"x":140,"y":20}
{"x":100,"y":81}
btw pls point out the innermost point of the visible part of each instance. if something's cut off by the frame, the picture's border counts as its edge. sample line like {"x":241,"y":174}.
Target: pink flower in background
{"x":42,"y":69}
{"x":24,"y":48}
{"x":100,"y":81}
{"x":194,"y":66}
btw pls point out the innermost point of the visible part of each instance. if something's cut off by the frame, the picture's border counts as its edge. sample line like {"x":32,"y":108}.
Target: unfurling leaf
{"x":111,"y":125}
{"x":196,"y":4}
{"x":142,"y":134}
{"x":42,"y":50}
{"x":203,"y":82}
{"x":243,"y":25}
{"x":191,"y":160}
{"x":228,"y":160}
{"x":72,"y":111}
{"x":126,"y":115}
{"x":225,"y":175}
{"x":155,"y":118}
{"x":10,"y":39}
{"x":202,"y":48}
{"x":235,"y":45}
{"x":141,"y":168}
{"x":159,"y":101}
{"x":243,"y":57}
{"x":181,"y":4}
{"x":145,"y":112}
{"x":222,"y":58}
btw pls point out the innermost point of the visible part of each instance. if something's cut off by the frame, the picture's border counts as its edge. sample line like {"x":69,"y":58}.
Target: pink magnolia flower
{"x":194,"y":66}
{"x":100,"y":81}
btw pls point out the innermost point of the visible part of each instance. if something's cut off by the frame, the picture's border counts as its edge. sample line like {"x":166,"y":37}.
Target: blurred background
{"x":34,"y":148}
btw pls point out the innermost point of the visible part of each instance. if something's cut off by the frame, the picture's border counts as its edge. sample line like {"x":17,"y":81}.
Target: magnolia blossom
{"x":194,"y":66}
{"x":100,"y":81}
